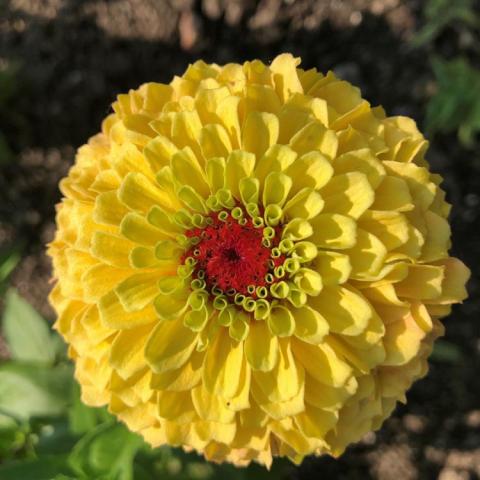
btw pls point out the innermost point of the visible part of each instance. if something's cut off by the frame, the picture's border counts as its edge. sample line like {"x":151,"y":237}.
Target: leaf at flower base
{"x":106,"y":452}
{"x":28,"y":390}
{"x":27,"y":333}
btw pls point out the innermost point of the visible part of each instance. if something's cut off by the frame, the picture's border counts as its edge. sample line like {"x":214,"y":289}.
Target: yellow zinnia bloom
{"x":251,"y":262}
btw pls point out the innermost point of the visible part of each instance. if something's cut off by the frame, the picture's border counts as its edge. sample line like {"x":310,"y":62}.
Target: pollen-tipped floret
{"x":252,"y":262}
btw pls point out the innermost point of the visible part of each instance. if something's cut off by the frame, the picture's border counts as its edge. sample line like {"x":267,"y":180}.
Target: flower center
{"x":231,"y":255}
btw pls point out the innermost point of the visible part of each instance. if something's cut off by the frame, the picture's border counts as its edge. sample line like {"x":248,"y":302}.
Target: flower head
{"x":252,"y":262}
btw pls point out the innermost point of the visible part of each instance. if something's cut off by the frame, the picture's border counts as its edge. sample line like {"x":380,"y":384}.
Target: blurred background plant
{"x":455,"y":106}
{"x":62,"y":62}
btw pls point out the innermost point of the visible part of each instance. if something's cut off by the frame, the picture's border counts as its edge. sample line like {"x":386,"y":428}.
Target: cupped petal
{"x":335,"y":231}
{"x":346,"y":310}
{"x":169,"y":346}
{"x":261,"y":347}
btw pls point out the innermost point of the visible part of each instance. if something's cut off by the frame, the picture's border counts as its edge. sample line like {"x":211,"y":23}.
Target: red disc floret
{"x":232,"y":256}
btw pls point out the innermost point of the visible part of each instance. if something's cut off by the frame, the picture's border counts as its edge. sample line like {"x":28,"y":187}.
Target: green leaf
{"x":28,"y":390}
{"x":456,"y":103}
{"x":10,"y":258}
{"x":446,"y":352}
{"x":53,"y":437}
{"x":27,"y":334}
{"x":440,"y":14}
{"x":12,"y":436}
{"x":107,"y":451}
{"x":44,"y":468}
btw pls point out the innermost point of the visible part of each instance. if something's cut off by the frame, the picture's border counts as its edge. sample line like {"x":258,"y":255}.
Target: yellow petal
{"x":222,"y":364}
{"x":111,"y":249}
{"x":391,"y":228}
{"x":181,"y":379}
{"x":393,"y":195}
{"x":227,"y":112}
{"x":108,"y":209}
{"x":138,"y":291}
{"x":187,"y":171}
{"x":139,"y":193}
{"x":129,"y":159}
{"x":169,"y":346}
{"x":126,"y":354}
{"x":261,"y":347}
{"x":311,"y":170}
{"x":186,"y":128}
{"x":137,"y":229}
{"x":207,"y":102}
{"x":216,"y":173}
{"x":280,"y":321}
{"x":422,"y":282}
{"x":437,"y":240}
{"x":456,"y":275}
{"x":113,"y":314}
{"x":321,"y":395}
{"x":276,"y":189}
{"x":361,"y":161}
{"x":164,"y":221}
{"x":402,"y":340}
{"x":215,"y":141}
{"x":348,"y":194}
{"x":306,"y":204}
{"x":314,"y":136}
{"x":159,"y":151}
{"x":239,"y":165}
{"x":346,"y":311}
{"x":333,"y":267}
{"x":211,"y":407}
{"x":322,"y":363}
{"x":367,"y":256}
{"x":331,"y":230}
{"x":259,"y":132}
{"x":279,"y":410}
{"x":418,"y":181}
{"x":285,"y":75}
{"x":315,"y":422}
{"x":171,"y":306}
{"x":310,"y":326}
{"x":261,"y":98}
{"x":101,"y":279}
{"x":176,"y":406}
{"x":276,"y":159}
{"x":284,"y":381}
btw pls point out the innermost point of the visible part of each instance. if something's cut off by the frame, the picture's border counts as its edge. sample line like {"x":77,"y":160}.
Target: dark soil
{"x":74,"y":56}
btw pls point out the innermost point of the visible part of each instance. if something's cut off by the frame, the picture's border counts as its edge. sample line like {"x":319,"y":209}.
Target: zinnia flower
{"x":252,"y":262}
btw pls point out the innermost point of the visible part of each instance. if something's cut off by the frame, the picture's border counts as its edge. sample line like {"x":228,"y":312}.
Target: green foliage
{"x":29,"y":390}
{"x":441,"y":13}
{"x":9,"y":259}
{"x":47,"y":433}
{"x":26,"y":332}
{"x":447,"y":352}
{"x":456,"y":104}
